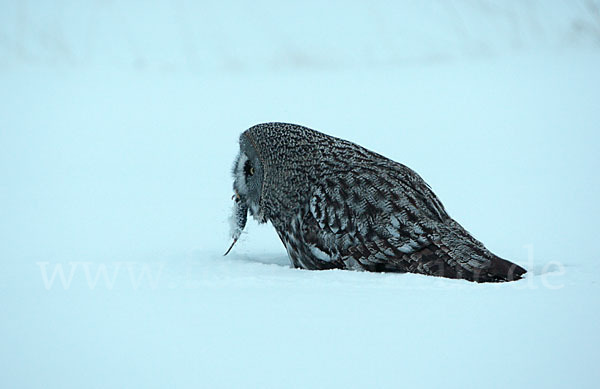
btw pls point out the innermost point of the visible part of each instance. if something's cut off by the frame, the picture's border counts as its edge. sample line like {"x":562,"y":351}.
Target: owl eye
{"x":248,"y":169}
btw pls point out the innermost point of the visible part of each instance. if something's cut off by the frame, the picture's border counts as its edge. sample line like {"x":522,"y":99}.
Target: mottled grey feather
{"x":335,"y":204}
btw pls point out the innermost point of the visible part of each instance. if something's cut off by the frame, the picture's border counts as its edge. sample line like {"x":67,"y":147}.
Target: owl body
{"x":335,"y":204}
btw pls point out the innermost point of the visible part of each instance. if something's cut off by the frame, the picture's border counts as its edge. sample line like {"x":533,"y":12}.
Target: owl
{"x":337,"y":205}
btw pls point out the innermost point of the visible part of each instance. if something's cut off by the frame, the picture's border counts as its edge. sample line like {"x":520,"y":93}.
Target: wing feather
{"x":398,"y":225}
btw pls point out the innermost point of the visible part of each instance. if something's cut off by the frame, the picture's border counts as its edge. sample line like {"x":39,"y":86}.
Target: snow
{"x":118,"y":129}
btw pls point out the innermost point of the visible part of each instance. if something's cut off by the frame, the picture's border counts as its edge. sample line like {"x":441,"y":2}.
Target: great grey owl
{"x":335,"y":204}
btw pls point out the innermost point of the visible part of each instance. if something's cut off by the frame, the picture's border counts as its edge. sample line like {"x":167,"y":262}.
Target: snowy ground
{"x":115,"y":192}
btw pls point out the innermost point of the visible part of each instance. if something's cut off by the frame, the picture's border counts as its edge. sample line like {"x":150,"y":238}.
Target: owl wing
{"x":391,"y":221}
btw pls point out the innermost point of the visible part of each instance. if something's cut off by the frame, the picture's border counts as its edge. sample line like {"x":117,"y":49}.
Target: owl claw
{"x":230,"y":247}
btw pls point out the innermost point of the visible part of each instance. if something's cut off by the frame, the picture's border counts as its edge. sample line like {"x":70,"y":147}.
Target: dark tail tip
{"x":501,"y":270}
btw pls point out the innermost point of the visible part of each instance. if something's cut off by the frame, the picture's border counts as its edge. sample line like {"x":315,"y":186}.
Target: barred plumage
{"x":335,"y":204}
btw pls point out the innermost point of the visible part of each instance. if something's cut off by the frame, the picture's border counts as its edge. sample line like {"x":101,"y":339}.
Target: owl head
{"x":273,"y":172}
{"x":274,"y":168}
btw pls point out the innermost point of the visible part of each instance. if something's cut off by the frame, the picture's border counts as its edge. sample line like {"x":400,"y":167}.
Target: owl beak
{"x":236,"y":196}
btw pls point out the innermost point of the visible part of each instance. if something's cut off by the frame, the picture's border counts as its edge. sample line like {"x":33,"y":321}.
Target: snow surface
{"x":118,"y":128}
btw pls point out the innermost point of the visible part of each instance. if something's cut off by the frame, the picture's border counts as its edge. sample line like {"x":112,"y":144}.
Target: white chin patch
{"x":257,"y":213}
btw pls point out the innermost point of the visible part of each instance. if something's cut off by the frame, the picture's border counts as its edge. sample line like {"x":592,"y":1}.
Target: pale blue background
{"x":118,"y":127}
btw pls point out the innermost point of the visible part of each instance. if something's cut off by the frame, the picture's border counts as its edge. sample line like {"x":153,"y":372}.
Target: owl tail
{"x":500,"y":270}
{"x":473,"y":261}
